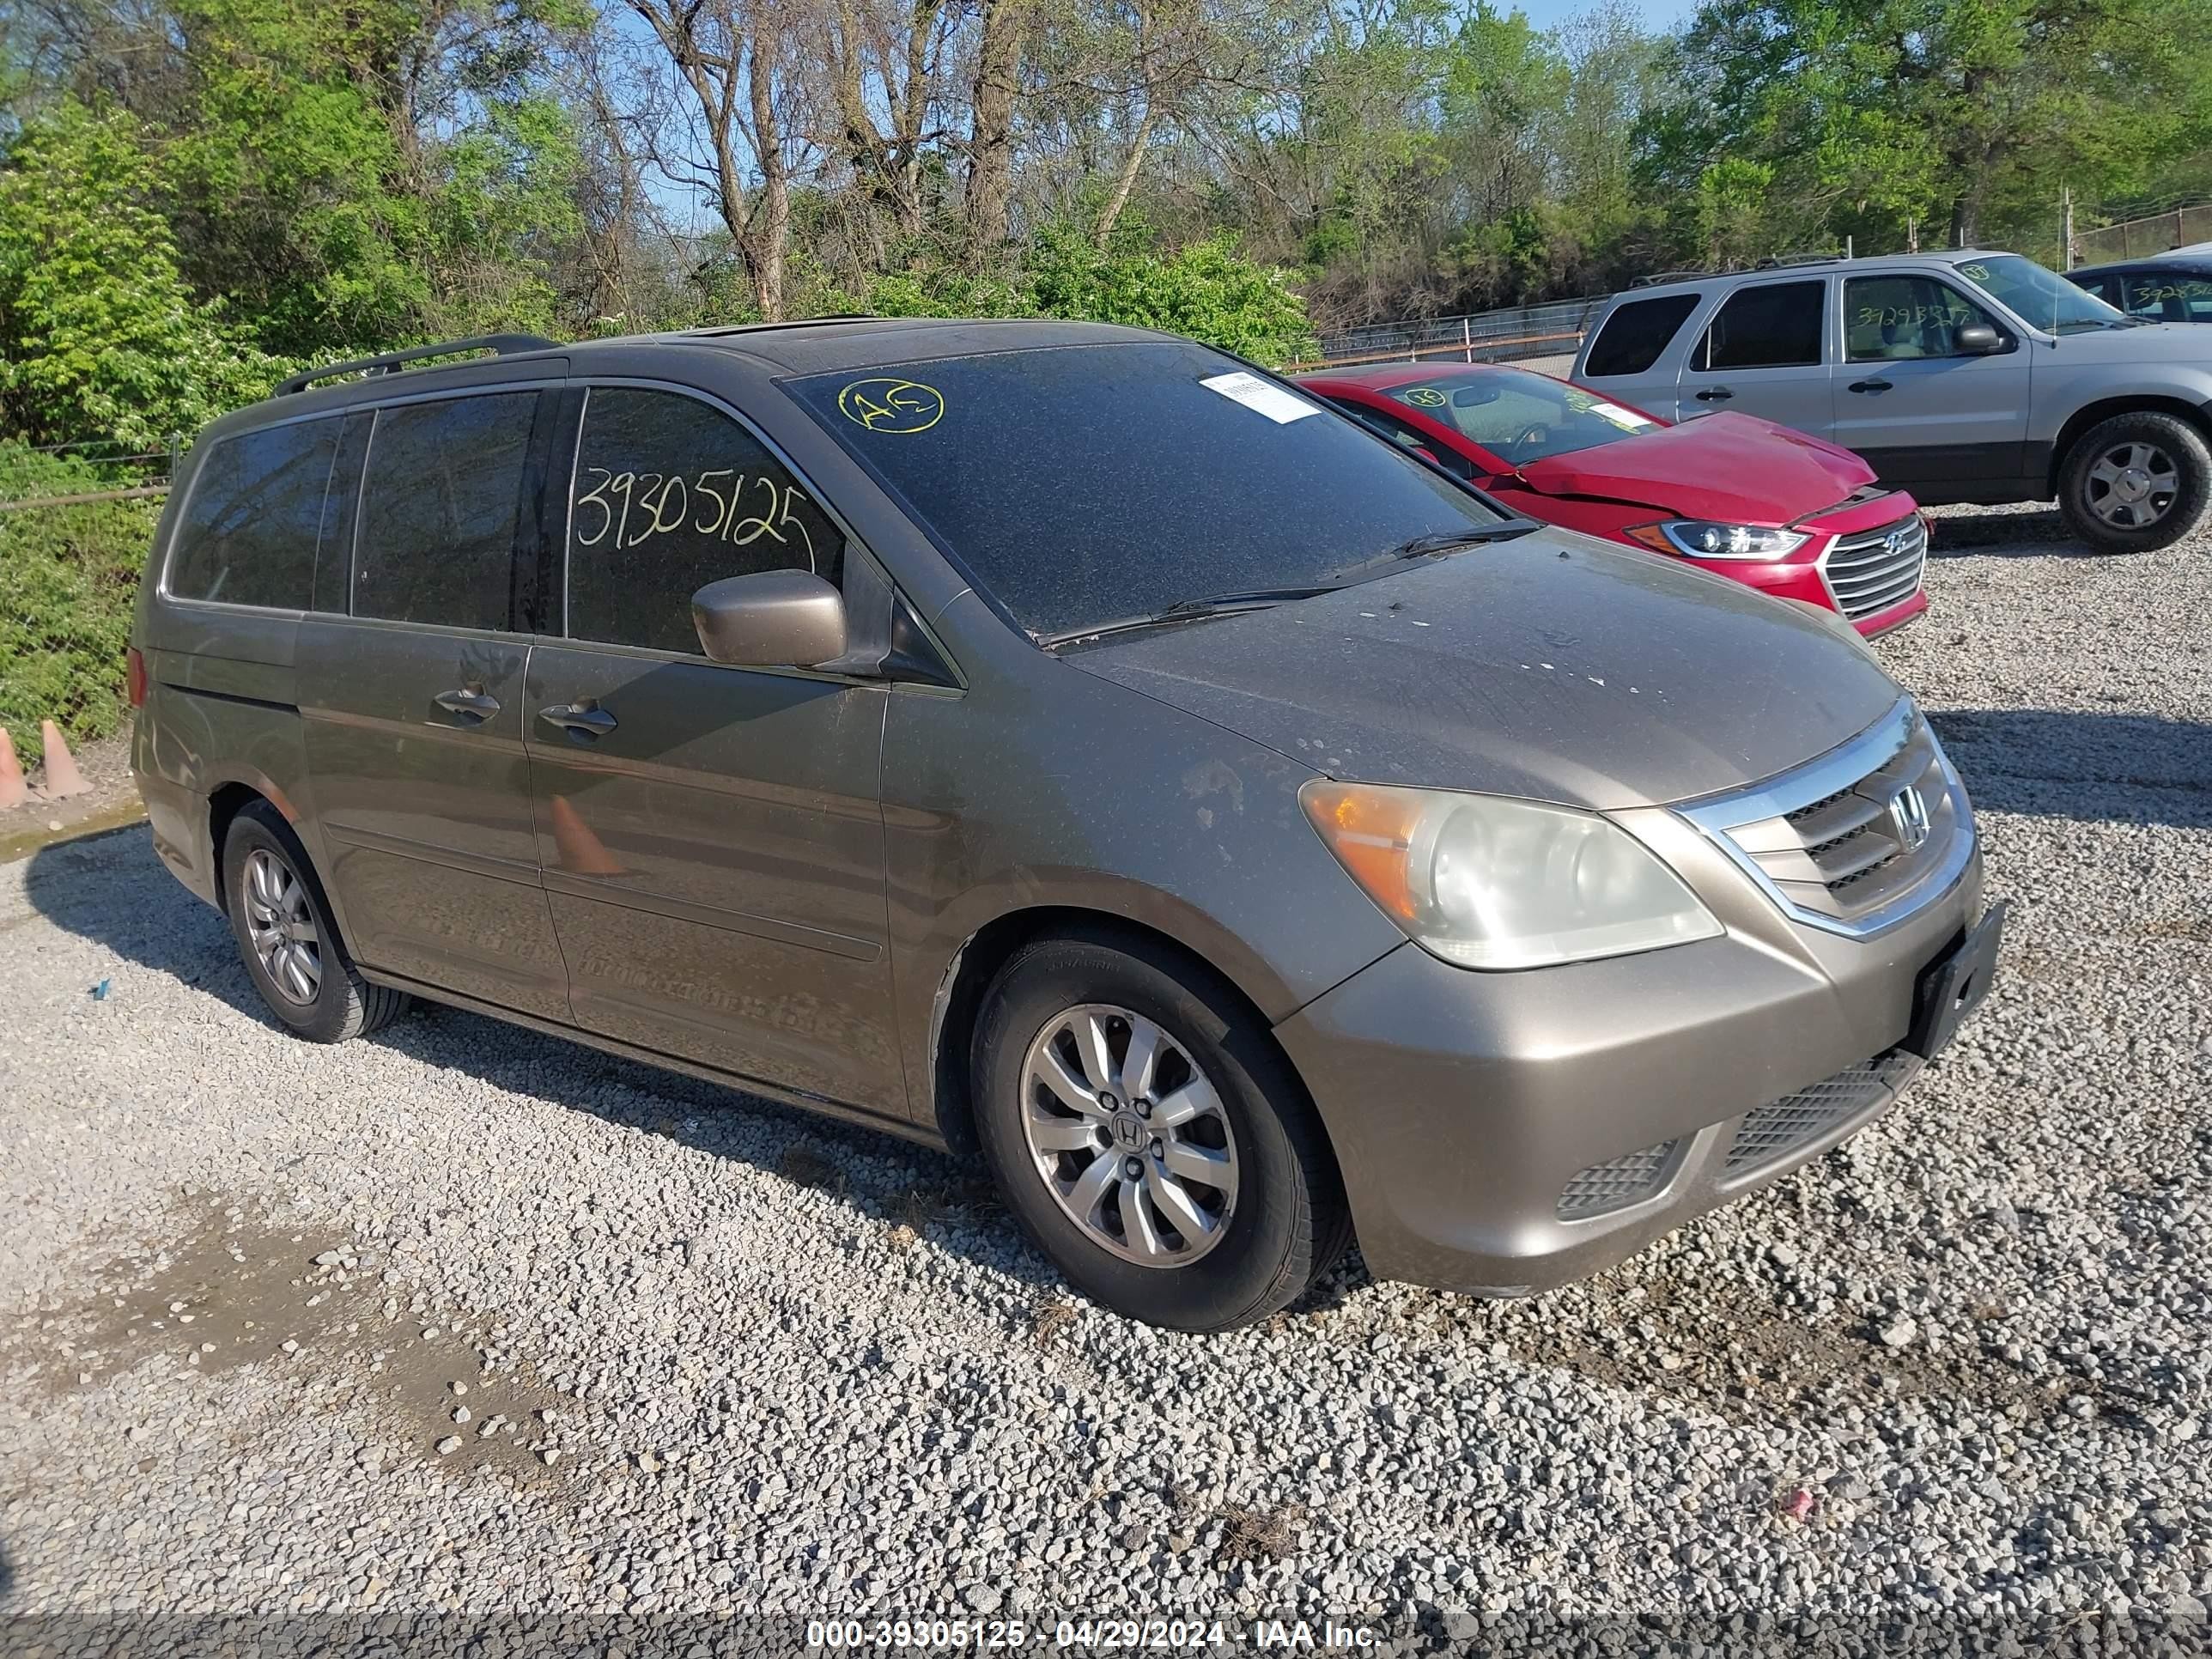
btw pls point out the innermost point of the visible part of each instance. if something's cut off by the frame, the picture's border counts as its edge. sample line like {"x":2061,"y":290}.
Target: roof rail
{"x":1656,"y":277}
{"x":1779,"y":262}
{"x":386,"y":362}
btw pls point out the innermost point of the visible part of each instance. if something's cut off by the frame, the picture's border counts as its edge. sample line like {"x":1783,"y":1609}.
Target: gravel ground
{"x":725,"y":1368}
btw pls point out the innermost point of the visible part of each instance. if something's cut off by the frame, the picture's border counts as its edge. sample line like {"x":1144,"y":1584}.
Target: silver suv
{"x":1962,"y":376}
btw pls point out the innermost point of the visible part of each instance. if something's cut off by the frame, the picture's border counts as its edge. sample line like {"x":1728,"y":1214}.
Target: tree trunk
{"x":1965,"y":218}
{"x":991,"y":142}
{"x":770,"y":237}
{"x":1127,"y":181}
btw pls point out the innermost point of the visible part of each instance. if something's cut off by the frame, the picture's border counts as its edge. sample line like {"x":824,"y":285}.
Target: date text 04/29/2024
{"x":1086,"y":1635}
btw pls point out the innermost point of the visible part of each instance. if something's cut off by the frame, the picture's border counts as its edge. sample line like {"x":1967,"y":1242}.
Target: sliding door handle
{"x":579,"y":720}
{"x":468,"y":700}
{"x":1715,"y":394}
{"x":1870,"y":385}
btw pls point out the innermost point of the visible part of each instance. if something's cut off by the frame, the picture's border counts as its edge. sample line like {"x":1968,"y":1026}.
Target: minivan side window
{"x":439,"y":509}
{"x":671,"y":494}
{"x":249,"y":530}
{"x":1634,"y":334}
{"x":1772,"y":325}
{"x":1893,"y":318}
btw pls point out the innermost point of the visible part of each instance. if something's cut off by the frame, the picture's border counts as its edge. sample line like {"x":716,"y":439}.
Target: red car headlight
{"x":1705,"y":538}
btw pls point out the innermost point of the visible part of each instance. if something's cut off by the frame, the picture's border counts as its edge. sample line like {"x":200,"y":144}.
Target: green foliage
{"x":100,"y":335}
{"x":1205,"y":290}
{"x":69,"y":576}
{"x":1803,"y":121}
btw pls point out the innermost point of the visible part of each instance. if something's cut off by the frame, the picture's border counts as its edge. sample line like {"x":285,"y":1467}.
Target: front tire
{"x":1144,"y":1127}
{"x":288,"y":938}
{"x":2136,"y":482}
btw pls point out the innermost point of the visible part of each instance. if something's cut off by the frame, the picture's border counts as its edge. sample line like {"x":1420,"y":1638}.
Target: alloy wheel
{"x":2133,"y":485}
{"x":1129,"y":1135}
{"x":280,"y":920}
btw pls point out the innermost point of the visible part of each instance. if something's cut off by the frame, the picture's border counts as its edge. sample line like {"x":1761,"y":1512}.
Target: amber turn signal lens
{"x":1371,"y":831}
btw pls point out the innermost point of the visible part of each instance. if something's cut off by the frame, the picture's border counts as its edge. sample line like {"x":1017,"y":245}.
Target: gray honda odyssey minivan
{"x":1068,"y":746}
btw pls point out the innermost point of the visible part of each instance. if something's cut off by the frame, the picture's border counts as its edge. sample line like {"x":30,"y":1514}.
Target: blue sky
{"x":1656,"y":14}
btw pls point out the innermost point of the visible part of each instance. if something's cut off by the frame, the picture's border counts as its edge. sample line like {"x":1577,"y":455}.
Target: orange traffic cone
{"x":582,"y":853}
{"x":12,"y":792}
{"x":63,"y":780}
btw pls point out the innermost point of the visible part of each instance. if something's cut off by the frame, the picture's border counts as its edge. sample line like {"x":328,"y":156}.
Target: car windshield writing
{"x":1519,"y":416}
{"x":1083,"y":484}
{"x":2043,"y":297}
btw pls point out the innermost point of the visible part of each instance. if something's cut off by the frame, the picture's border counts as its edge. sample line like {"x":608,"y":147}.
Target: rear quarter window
{"x":250,"y":526}
{"x":1636,"y":332}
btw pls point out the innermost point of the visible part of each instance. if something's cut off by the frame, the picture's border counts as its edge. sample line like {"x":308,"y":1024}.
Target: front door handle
{"x":579,"y":720}
{"x":1870,"y":385}
{"x":468,"y":700}
{"x":1715,"y":394}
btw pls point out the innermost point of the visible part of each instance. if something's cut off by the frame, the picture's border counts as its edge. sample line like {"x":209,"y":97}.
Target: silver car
{"x":1962,"y":376}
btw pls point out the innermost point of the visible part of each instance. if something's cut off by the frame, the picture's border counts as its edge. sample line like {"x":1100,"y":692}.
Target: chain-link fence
{"x":1515,"y":335}
{"x":2135,"y":238}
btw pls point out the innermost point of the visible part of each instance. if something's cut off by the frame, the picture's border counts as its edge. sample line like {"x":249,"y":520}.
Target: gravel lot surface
{"x":465,"y":1320}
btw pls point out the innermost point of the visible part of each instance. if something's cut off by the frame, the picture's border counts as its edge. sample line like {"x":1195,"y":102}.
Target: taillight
{"x":135,"y":666}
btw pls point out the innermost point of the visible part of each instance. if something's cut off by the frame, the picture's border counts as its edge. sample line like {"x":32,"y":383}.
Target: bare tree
{"x":1005,"y":24}
{"x":731,"y":54}
{"x":885,"y":58}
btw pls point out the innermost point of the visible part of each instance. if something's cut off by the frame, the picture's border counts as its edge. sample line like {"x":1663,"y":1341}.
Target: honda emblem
{"x":1908,"y":812}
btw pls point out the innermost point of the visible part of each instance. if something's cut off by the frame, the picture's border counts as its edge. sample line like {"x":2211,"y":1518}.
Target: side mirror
{"x":770,"y":619}
{"x":1977,"y":340}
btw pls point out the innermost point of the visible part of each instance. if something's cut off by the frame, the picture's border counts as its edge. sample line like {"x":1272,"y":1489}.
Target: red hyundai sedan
{"x":1788,"y":513}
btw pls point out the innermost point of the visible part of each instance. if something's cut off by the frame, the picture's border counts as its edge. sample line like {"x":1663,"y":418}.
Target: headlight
{"x":1703,"y":538}
{"x":1485,"y":882}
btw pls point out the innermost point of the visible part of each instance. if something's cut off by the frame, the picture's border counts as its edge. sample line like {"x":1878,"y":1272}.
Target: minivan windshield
{"x":1083,"y":485}
{"x":2042,"y":297}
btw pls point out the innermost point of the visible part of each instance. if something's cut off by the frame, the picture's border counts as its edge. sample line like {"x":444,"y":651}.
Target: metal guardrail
{"x":1512,"y":335}
{"x":140,"y":492}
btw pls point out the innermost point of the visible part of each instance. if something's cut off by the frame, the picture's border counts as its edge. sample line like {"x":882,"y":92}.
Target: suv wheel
{"x":1151,"y":1137}
{"x":2136,"y":482}
{"x":288,"y":938}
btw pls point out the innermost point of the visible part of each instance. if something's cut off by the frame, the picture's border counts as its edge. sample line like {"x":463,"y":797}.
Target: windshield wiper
{"x":1213,"y":605}
{"x":1438,"y":542}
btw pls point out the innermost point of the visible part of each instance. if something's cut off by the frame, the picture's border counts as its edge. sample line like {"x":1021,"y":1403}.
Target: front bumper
{"x":1506,"y":1134}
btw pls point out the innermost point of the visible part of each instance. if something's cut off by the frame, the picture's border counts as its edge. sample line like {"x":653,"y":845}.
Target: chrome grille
{"x":1873,"y":569}
{"x":1616,"y":1183}
{"x":1781,"y":1127}
{"x":1849,"y":841}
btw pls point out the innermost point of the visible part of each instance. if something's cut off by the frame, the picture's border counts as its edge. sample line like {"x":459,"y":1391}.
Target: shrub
{"x":69,"y":577}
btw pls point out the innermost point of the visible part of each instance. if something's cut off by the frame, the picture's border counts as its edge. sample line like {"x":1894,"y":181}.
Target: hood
{"x":1553,"y":667}
{"x":2177,"y":345}
{"x":1736,"y":468}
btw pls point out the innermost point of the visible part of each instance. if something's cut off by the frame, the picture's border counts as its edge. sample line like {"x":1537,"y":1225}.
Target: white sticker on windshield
{"x":1278,"y":405}
{"x":1620,"y":417}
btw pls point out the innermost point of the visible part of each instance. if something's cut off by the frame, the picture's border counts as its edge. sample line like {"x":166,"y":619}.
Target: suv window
{"x":249,"y":533}
{"x":1888,"y":318}
{"x":1773,"y":325}
{"x":439,"y":510}
{"x":1634,"y":334}
{"x":670,"y":495}
{"x":2179,"y":296}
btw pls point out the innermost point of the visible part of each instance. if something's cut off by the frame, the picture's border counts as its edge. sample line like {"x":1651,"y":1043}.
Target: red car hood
{"x":1735,"y":468}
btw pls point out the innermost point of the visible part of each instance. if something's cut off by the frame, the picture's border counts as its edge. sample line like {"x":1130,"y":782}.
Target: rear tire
{"x":288,"y":938}
{"x":1194,"y":1190}
{"x":2136,"y":482}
